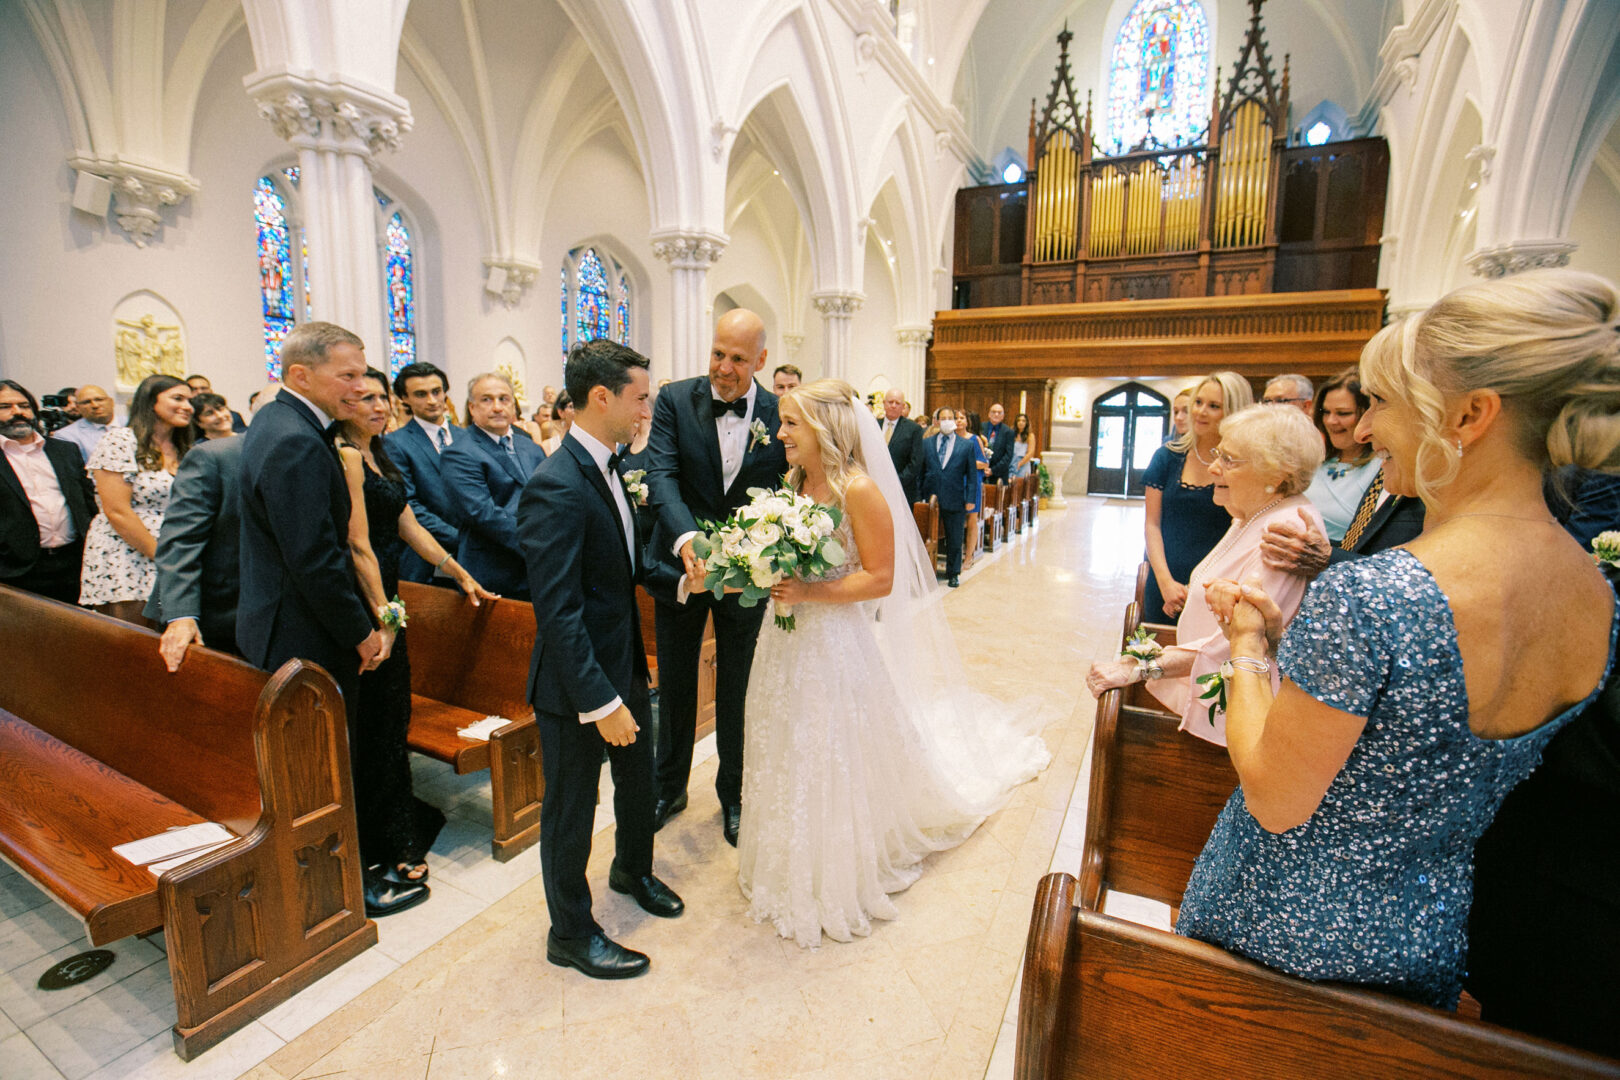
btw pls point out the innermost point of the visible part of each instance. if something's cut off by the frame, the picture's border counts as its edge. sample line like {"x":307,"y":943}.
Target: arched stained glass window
{"x":400,"y":270}
{"x":1158,"y":88}
{"x":593,"y":303}
{"x":623,"y":336}
{"x":276,"y":281}
{"x":563,"y":274}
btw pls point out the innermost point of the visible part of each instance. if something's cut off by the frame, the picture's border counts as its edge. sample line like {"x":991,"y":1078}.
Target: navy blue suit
{"x":958,"y":484}
{"x":587,"y":651}
{"x":413,"y":452}
{"x":298,"y":595}
{"x":1000,"y":437}
{"x":484,"y":483}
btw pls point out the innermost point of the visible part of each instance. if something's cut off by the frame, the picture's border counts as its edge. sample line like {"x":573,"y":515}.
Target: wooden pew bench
{"x":706,"y":660}
{"x":1106,"y":998}
{"x":926,"y":515}
{"x":89,"y":764}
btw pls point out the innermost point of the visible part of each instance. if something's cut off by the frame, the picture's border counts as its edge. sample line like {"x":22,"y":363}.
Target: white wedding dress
{"x":855,"y":769}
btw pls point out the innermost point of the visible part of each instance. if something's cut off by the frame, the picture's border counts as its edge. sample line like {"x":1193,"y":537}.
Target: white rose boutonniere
{"x":757,"y":434}
{"x":635,"y":486}
{"x":1606,"y":548}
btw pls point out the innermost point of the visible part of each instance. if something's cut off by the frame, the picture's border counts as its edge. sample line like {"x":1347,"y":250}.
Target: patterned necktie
{"x":506,"y":444}
{"x":944,"y":449}
{"x":1364,"y":513}
{"x":888,"y":432}
{"x":444,"y":438}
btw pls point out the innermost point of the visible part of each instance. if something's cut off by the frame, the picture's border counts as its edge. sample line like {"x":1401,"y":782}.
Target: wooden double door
{"x":1127,"y":425}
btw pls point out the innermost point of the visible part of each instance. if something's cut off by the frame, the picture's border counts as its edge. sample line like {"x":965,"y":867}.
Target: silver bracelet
{"x":1250,"y":663}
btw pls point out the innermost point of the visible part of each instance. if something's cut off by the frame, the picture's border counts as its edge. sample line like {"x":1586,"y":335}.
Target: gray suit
{"x":199,"y":546}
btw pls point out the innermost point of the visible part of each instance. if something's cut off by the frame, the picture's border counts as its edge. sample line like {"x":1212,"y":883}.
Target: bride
{"x":864,"y":749}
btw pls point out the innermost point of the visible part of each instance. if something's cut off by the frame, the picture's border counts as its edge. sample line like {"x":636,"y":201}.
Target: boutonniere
{"x":1141,"y":646}
{"x":758,"y":435}
{"x":634,"y":486}
{"x":1606,"y":548}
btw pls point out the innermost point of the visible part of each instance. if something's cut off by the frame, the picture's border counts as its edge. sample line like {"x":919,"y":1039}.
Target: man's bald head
{"x":95,"y":404}
{"x":894,"y":404}
{"x":738,"y":352}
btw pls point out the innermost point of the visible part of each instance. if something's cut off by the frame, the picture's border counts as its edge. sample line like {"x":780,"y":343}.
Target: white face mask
{"x":948,"y":426}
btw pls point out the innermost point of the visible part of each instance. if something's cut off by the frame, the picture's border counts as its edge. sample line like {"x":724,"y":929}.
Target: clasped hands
{"x":1246,"y":614}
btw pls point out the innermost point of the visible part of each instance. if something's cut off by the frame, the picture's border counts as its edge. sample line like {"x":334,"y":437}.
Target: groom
{"x":713,"y":437}
{"x":588,"y":678}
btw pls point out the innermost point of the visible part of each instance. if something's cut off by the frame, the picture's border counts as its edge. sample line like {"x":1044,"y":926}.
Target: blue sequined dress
{"x":1375,"y":887}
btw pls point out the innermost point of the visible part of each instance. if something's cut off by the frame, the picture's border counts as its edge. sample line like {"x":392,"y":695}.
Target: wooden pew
{"x":468,"y":663}
{"x":994,"y":516}
{"x":706,"y":660}
{"x":926,"y":515}
{"x":90,"y":763}
{"x":1102,"y":997}
{"x":1019,"y":503}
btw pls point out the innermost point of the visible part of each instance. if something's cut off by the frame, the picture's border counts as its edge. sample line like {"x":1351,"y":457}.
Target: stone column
{"x":913,"y":360}
{"x":336,"y":128}
{"x":837,"y":334}
{"x":689,"y":256}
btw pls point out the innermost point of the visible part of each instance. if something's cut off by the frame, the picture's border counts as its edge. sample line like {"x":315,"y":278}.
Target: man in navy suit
{"x":588,"y":679}
{"x":951,"y":471}
{"x":415,"y":448}
{"x":199,"y":553}
{"x":1000,"y":438}
{"x":713,"y":437}
{"x":484,"y":473}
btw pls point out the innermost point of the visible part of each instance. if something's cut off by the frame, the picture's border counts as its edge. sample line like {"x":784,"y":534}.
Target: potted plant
{"x":1045,"y":489}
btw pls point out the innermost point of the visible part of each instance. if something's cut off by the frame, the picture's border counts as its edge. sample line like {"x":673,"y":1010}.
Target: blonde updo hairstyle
{"x":1280,"y":443}
{"x":1547,"y":341}
{"x":1236,"y":395}
{"x":828,"y":408}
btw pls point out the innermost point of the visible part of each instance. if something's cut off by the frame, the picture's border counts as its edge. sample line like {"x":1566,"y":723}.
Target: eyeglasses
{"x":1226,"y":460}
{"x":1284,"y":400}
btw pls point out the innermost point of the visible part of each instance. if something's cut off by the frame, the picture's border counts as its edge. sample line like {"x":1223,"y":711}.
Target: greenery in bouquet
{"x":776,"y":535}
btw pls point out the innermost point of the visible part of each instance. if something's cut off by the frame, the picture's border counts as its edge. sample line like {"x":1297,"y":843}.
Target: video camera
{"x":52,"y":414}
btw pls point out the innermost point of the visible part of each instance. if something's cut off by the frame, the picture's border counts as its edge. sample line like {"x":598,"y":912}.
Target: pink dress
{"x":1235,"y":557}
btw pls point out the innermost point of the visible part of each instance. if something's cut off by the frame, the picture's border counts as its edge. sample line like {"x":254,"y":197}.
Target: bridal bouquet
{"x":776,"y":535}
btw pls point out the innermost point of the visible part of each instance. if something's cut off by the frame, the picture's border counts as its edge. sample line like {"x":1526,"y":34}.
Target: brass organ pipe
{"x":1043,"y":176}
{"x":1066,"y":221}
{"x":1251,"y":179}
{"x":1240,"y":230}
{"x":1262,"y":182}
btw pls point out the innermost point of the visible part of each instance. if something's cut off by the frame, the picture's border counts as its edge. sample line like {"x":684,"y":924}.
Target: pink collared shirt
{"x":38,"y":478}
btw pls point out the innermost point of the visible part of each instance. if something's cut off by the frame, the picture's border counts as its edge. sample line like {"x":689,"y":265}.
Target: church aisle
{"x":461,"y":988}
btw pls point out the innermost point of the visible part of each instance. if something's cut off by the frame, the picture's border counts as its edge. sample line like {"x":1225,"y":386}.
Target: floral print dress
{"x":114,"y":571}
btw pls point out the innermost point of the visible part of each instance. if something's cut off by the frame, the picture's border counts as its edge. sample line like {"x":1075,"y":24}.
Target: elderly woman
{"x":1261,"y":468}
{"x":1421,"y":683}
{"x":1350,"y":465}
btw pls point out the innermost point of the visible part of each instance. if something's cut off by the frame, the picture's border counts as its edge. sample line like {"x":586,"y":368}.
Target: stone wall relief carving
{"x":149,"y":338}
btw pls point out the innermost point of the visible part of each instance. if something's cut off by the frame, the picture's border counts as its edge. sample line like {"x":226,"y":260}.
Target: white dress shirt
{"x":321,"y":414}
{"x":38,"y":478}
{"x":83,"y":434}
{"x":733,"y":433}
{"x":600,"y":452}
{"x":433,"y":431}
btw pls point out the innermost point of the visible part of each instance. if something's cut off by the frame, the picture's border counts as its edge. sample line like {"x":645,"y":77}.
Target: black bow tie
{"x":614,"y":459}
{"x":740,"y":406}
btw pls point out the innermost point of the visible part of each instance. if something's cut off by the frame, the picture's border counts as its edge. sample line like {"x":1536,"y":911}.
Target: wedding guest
{"x":1183,"y":523}
{"x":200,"y":385}
{"x":1261,"y":469}
{"x":998,"y":443}
{"x":255,"y":399}
{"x":728,"y":411}
{"x":416,"y":450}
{"x":1025,"y":447}
{"x":210,"y":417}
{"x":905,"y":441}
{"x":199,"y":553}
{"x":44,"y":515}
{"x":396,"y":828}
{"x":1295,"y":390}
{"x":548,"y":396}
{"x":1350,"y":466}
{"x":1421,"y":684}
{"x":484,"y":473}
{"x":1181,"y":414}
{"x":950,"y":472}
{"x":562,"y":418}
{"x":133,"y":469}
{"x":95,"y":409}
{"x":785,"y":378}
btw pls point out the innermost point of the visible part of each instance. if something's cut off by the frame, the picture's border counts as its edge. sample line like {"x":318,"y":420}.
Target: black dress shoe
{"x":955,"y":582}
{"x":653,"y":895}
{"x":386,"y":893}
{"x":597,"y":956}
{"x":664,"y":809}
{"x":731,"y":822}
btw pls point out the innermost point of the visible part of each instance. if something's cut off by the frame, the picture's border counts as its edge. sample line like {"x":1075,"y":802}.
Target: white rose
{"x":731,"y":547}
{"x":823,"y":524}
{"x":765,"y":534}
{"x":803,"y":537}
{"x":762,"y":575}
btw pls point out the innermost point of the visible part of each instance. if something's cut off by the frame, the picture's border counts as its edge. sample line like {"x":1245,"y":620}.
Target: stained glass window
{"x":1158,"y":89}
{"x":623,"y":311}
{"x":291,"y":173}
{"x":275,"y":269}
{"x":563,"y":274}
{"x":401,"y":279}
{"x":595,"y":298}
{"x":593,"y":303}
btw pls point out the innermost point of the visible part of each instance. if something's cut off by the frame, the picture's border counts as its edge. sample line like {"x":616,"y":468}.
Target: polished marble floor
{"x":460,"y":987}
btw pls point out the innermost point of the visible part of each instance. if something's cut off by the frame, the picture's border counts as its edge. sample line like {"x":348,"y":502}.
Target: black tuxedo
{"x":23,"y":563}
{"x":587,"y":651}
{"x":419,"y":463}
{"x":199,"y":548}
{"x":1000,"y":437}
{"x":484,"y":483}
{"x":298,"y":593}
{"x":906,"y":451}
{"x":686,"y":485}
{"x":1397,"y":521}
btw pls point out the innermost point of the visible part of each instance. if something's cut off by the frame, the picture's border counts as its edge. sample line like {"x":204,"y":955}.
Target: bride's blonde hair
{"x":828,"y":408}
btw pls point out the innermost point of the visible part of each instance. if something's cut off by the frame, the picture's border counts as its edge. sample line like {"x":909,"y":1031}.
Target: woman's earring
{"x":1271,"y":489}
{"x":1459,"y":447}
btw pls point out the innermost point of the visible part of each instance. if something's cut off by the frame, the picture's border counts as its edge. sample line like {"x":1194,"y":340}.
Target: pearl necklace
{"x":1230,"y":540}
{"x":1200,"y":457}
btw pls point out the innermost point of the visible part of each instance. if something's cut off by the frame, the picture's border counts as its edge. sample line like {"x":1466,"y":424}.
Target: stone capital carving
{"x":510,"y":278}
{"x":838,"y":305}
{"x":913,"y":335}
{"x":689,"y":251}
{"x":331,"y":116}
{"x":1505,"y":259}
{"x":792,"y":342}
{"x":139,"y":193}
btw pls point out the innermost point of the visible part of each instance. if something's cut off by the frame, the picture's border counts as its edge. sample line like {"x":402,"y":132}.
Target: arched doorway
{"x":1127,"y":425}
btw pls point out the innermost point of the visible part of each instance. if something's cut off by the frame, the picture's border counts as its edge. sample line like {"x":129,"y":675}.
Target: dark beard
{"x":17,"y":429}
